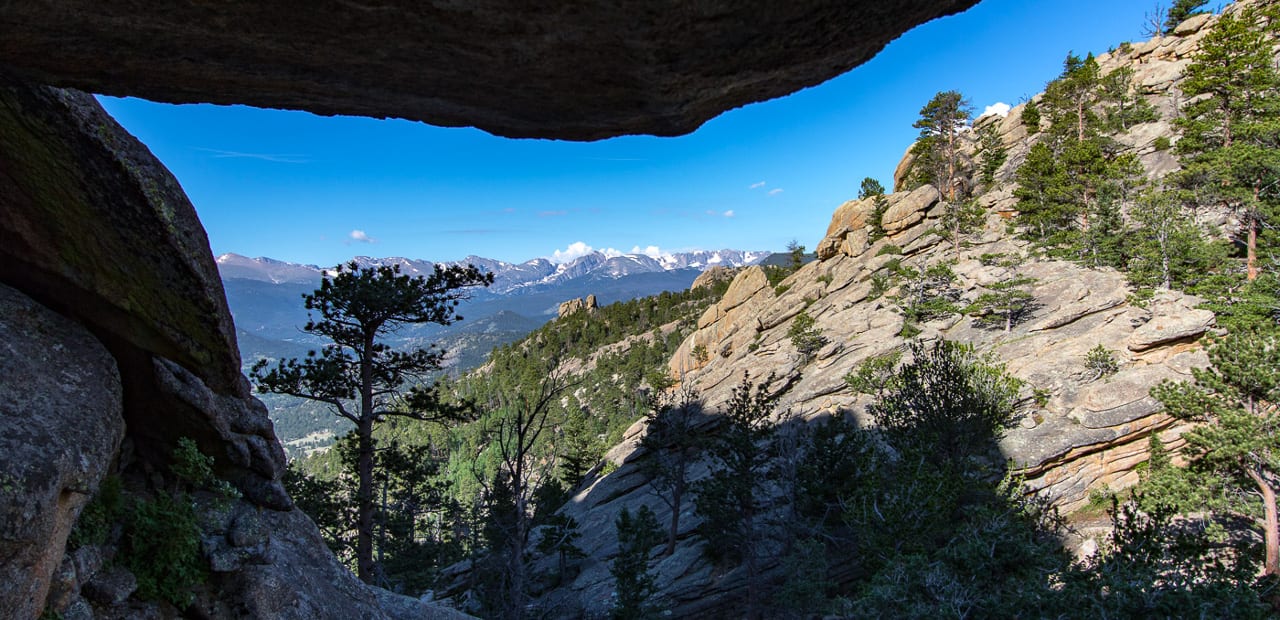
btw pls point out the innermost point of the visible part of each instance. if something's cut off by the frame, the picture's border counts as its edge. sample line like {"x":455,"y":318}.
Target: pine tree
{"x":805,"y":335}
{"x":1069,"y":99}
{"x":947,"y":403}
{"x":991,"y":153}
{"x":872,"y":189}
{"x":1231,"y":131}
{"x":880,"y":204}
{"x":730,"y":501}
{"x":1031,"y":116}
{"x":362,"y":379}
{"x":1126,"y":107}
{"x":795,"y":255}
{"x":869,"y":188}
{"x":1074,"y":180}
{"x":1238,"y":440}
{"x":940,"y":157}
{"x":633,"y":583}
{"x":1168,"y":249}
{"x":671,"y":443}
{"x":1006,"y":303}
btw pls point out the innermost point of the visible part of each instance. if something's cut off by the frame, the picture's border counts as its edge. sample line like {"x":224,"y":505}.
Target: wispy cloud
{"x":552,"y":213}
{"x":729,"y":213}
{"x":775,"y":191}
{"x":359,"y":236}
{"x":714,"y":213}
{"x":279,"y":158}
{"x":757,"y":185}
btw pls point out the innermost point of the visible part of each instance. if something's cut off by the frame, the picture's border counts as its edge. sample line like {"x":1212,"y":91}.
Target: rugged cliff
{"x":1082,"y":427}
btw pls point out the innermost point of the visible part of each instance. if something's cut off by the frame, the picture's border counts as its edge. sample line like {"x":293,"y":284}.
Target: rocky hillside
{"x":1087,"y":349}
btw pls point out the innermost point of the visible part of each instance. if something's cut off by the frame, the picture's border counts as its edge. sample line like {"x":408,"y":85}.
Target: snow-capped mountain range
{"x":509,"y":278}
{"x":265,"y":297}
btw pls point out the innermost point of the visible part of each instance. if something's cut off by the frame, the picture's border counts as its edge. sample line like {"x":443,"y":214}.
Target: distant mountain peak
{"x":508,"y":277}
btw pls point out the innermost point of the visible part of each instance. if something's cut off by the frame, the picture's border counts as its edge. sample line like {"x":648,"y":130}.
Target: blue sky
{"x":303,"y":188}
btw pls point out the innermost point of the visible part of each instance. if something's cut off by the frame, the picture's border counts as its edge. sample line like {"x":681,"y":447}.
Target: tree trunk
{"x":1164,"y":263}
{"x":1251,"y":257}
{"x":364,"y":467}
{"x":1080,"y":121}
{"x":749,"y":527}
{"x":677,"y":496}
{"x":364,"y":501}
{"x":1272,"y":534}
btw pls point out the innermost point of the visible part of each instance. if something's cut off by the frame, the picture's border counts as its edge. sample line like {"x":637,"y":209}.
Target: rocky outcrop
{"x":96,"y":229}
{"x":713,"y":276}
{"x":577,"y":72}
{"x":577,"y":305}
{"x":1081,"y":427}
{"x":113,"y":325}
{"x":1078,"y":431}
{"x":60,"y":427}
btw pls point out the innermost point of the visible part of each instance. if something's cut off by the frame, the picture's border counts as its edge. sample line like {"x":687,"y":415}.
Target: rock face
{"x":576,"y":72}
{"x":60,"y":427}
{"x":277,"y":566}
{"x":95,"y":228}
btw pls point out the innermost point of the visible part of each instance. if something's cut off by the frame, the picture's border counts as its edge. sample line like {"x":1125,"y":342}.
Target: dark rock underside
{"x":566,"y":70}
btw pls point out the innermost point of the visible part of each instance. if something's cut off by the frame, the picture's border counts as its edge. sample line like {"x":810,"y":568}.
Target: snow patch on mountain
{"x":508,"y":277}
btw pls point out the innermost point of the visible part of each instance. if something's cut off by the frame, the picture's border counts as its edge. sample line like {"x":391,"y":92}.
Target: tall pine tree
{"x":1231,"y":130}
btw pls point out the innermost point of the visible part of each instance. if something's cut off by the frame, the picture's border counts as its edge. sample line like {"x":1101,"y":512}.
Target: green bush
{"x":162,"y":548}
{"x":1101,"y":361}
{"x":196,"y":469}
{"x":99,"y":516}
{"x":805,"y":336}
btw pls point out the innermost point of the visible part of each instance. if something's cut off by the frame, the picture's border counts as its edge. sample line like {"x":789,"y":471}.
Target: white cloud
{"x":575,"y":250}
{"x":1001,"y":108}
{"x":651,"y":251}
{"x":729,"y":213}
{"x":775,"y":191}
{"x":359,"y":236}
{"x":756,"y":185}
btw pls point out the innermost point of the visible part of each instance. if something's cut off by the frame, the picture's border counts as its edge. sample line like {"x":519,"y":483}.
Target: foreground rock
{"x":60,"y":428}
{"x":95,"y":228}
{"x":575,"y":71}
{"x":115,"y":341}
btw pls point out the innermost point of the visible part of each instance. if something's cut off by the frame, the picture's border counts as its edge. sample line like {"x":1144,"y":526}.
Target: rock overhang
{"x":569,"y":70}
